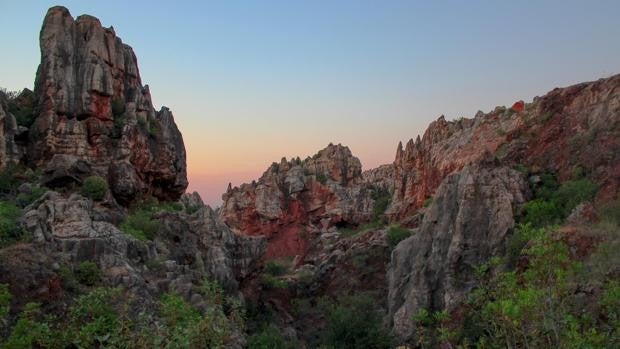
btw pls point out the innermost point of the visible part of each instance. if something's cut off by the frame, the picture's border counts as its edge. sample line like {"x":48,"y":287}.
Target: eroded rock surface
{"x":293,"y":200}
{"x":93,"y":108}
{"x":468,"y":222}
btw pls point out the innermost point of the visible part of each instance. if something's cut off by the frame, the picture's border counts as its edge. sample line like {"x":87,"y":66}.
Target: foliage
{"x":538,"y":306}
{"x":270,"y":282}
{"x":22,"y":106}
{"x":5,"y":302}
{"x":396,"y":234}
{"x":427,"y":202}
{"x":26,"y":198}
{"x":140,"y":223}
{"x":431,"y":328}
{"x":268,"y":338}
{"x":553,"y":203}
{"x":275,"y":267}
{"x":88,"y":273}
{"x":28,"y":333}
{"x":382,"y":198}
{"x":355,"y":323}
{"x":349,"y":232}
{"x":321,"y":178}
{"x":118,"y":107}
{"x":10,"y":230}
{"x":94,"y":187}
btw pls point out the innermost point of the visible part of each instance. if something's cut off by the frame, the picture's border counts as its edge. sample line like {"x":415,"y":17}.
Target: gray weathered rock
{"x":467,"y":223}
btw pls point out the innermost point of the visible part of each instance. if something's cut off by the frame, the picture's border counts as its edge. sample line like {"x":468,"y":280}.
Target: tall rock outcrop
{"x":93,"y":109}
{"x":576,"y":125}
{"x":293,"y":200}
{"x":467,"y":223}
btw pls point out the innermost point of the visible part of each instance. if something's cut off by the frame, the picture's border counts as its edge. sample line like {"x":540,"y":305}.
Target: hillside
{"x":497,"y":231}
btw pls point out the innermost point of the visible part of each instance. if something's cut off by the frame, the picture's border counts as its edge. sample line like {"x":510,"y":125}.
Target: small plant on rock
{"x":94,"y":187}
{"x":88,"y":273}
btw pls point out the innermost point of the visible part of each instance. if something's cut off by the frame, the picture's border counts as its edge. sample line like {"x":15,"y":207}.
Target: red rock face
{"x":577,"y":125}
{"x":518,"y":106}
{"x":294,"y":200}
{"x":93,"y":108}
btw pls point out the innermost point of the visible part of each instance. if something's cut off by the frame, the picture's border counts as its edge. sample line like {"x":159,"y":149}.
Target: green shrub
{"x":94,"y":322}
{"x":321,"y":178}
{"x":540,"y":213}
{"x":539,"y":305}
{"x":275,"y":268}
{"x":268,"y":338}
{"x":382,"y":198}
{"x":270,"y":282}
{"x":572,"y":193}
{"x":187,"y":328}
{"x":349,"y":232}
{"x":355,"y":323}
{"x":9,"y":179}
{"x":5,"y":303}
{"x":396,"y":234}
{"x":25,"y":199}
{"x":431,"y":328}
{"x":10,"y":230}
{"x":88,"y":273}
{"x":118,"y":107}
{"x":140,"y":225}
{"x":94,"y":187}
{"x":28,"y":332}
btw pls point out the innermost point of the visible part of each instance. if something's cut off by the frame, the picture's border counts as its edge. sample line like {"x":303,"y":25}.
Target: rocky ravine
{"x":455,"y":188}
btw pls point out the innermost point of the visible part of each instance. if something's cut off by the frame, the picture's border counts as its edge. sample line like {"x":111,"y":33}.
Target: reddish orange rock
{"x":518,"y":106}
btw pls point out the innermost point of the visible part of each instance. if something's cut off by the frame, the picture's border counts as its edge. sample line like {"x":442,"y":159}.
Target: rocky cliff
{"x":468,"y":222}
{"x":568,"y":127}
{"x":295,"y":200}
{"x":93,"y":110}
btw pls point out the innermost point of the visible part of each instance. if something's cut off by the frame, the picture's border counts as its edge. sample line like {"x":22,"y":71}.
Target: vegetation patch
{"x":94,"y":187}
{"x":355,"y":322}
{"x":88,"y":273}
{"x":553,"y":203}
{"x":396,"y":234}
{"x":10,"y":230}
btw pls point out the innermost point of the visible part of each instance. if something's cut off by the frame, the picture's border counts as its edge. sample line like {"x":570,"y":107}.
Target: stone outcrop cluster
{"x":293,"y":200}
{"x":93,"y":115}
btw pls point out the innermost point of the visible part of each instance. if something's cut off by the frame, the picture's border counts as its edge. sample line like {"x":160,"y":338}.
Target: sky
{"x":252,"y":81}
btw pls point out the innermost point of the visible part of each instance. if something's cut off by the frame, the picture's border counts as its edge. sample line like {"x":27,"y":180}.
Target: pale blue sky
{"x":252,"y":81}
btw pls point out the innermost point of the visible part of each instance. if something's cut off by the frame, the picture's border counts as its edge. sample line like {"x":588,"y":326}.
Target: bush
{"x":94,"y":187}
{"x":540,"y":213}
{"x":355,"y":323}
{"x":88,"y":273}
{"x":275,"y":268}
{"x":5,"y":303}
{"x":118,"y":107}
{"x":270,"y":282}
{"x":382,"y":198}
{"x":140,"y":225}
{"x":396,"y":234}
{"x":25,"y":199}
{"x":572,"y":193}
{"x":321,"y":178}
{"x":268,"y":338}
{"x":553,"y":203}
{"x":10,"y":230}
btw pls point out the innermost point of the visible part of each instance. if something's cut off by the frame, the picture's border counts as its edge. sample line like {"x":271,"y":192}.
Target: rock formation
{"x":576,"y":125}
{"x":93,"y":109}
{"x":293,"y":200}
{"x":467,"y":223}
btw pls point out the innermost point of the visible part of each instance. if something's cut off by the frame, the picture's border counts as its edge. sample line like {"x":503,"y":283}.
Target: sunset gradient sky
{"x":252,"y":81}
